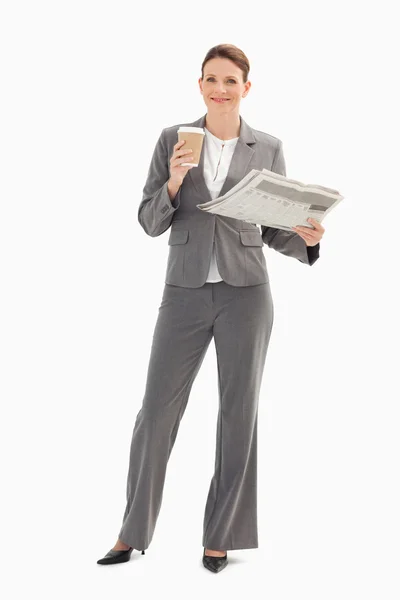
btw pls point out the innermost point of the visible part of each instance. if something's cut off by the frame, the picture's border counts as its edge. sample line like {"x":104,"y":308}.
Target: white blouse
{"x":217,"y":158}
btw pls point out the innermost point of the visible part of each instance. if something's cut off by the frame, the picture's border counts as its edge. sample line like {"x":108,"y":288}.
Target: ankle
{"x":120,"y":545}
{"x":218,"y":553}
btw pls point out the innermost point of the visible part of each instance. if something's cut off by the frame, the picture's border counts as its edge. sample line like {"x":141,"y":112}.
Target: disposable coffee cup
{"x":193,"y":137}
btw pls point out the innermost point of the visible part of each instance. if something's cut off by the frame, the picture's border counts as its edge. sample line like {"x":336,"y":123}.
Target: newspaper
{"x":268,"y":198}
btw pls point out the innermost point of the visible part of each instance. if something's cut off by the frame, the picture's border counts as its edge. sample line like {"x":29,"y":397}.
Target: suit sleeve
{"x":287,"y":242}
{"x":156,"y":209}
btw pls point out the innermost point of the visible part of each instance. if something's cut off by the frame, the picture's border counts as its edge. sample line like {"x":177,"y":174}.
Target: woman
{"x":216,"y":286}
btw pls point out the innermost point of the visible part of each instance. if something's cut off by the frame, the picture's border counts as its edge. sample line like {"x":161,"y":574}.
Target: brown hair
{"x":231,"y":52}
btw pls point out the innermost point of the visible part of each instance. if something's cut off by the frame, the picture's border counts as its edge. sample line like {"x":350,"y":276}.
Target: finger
{"x":183,"y":153}
{"x":316,"y":224}
{"x":304,"y":229}
{"x":314,"y":233}
{"x":306,"y":236}
{"x":178,"y":155}
{"x":178,"y":161}
{"x":179,"y":145}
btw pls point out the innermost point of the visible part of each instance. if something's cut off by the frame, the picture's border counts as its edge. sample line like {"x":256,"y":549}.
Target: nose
{"x":220,"y":88}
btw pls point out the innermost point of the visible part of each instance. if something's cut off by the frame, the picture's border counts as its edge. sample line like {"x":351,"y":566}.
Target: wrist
{"x":173,"y":187}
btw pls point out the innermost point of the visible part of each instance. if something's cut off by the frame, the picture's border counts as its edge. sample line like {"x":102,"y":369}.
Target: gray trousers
{"x":240,"y":320}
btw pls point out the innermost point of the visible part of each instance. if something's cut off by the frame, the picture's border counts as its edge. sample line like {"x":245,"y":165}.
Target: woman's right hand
{"x":179,"y":156}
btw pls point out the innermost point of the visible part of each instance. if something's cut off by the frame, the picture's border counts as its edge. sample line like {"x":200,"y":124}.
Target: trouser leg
{"x":181,"y":337}
{"x":242,"y":328}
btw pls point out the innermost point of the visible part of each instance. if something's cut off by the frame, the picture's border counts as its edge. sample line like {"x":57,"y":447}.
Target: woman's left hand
{"x":311,"y":236}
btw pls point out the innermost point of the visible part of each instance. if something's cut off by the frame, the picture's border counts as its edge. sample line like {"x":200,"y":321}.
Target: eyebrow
{"x":215,"y":75}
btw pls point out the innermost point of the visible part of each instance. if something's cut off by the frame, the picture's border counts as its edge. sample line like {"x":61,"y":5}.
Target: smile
{"x":220,"y":100}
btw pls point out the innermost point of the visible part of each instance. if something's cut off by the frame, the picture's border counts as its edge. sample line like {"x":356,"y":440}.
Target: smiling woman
{"x":216,"y":287}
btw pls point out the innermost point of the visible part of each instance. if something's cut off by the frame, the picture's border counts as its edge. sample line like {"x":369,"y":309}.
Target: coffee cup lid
{"x":191,"y":130}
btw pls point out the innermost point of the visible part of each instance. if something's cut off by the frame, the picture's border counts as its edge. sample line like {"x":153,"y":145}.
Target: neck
{"x":224,"y":127}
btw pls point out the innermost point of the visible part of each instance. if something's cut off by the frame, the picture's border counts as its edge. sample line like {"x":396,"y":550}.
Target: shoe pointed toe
{"x":215,"y":563}
{"x":114,"y":557}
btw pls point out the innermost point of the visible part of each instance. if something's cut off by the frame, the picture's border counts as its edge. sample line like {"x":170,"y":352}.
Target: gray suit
{"x":238,"y":245}
{"x":237,"y":312}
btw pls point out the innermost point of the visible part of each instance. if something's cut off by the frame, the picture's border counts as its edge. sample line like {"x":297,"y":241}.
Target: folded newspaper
{"x":268,"y":198}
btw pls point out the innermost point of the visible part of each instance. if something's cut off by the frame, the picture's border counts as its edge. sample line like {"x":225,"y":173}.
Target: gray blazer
{"x":238,"y":244}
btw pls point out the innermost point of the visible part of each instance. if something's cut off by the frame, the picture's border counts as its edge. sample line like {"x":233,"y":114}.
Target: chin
{"x":220,"y":108}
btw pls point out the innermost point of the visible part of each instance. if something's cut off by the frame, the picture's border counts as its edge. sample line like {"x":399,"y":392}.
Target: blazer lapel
{"x":238,"y":167}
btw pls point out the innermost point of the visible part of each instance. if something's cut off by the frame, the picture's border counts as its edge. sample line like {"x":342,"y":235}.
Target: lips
{"x":220,"y":100}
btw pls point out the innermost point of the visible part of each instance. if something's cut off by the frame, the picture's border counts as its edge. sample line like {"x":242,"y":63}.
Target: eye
{"x":210,"y":78}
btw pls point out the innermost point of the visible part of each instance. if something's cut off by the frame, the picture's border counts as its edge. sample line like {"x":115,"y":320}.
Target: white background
{"x":87,"y":88}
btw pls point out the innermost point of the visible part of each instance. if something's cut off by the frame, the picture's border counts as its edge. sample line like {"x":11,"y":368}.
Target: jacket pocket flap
{"x":178,"y":236}
{"x":251,"y":238}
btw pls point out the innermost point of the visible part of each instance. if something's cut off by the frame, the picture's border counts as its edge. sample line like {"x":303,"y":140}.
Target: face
{"x":223,"y":79}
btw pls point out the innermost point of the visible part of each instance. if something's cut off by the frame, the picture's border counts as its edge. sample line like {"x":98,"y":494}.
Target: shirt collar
{"x":218,"y":141}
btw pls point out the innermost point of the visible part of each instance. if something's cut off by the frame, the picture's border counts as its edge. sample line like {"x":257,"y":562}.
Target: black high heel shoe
{"x":116,"y":556}
{"x":214,"y":563}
